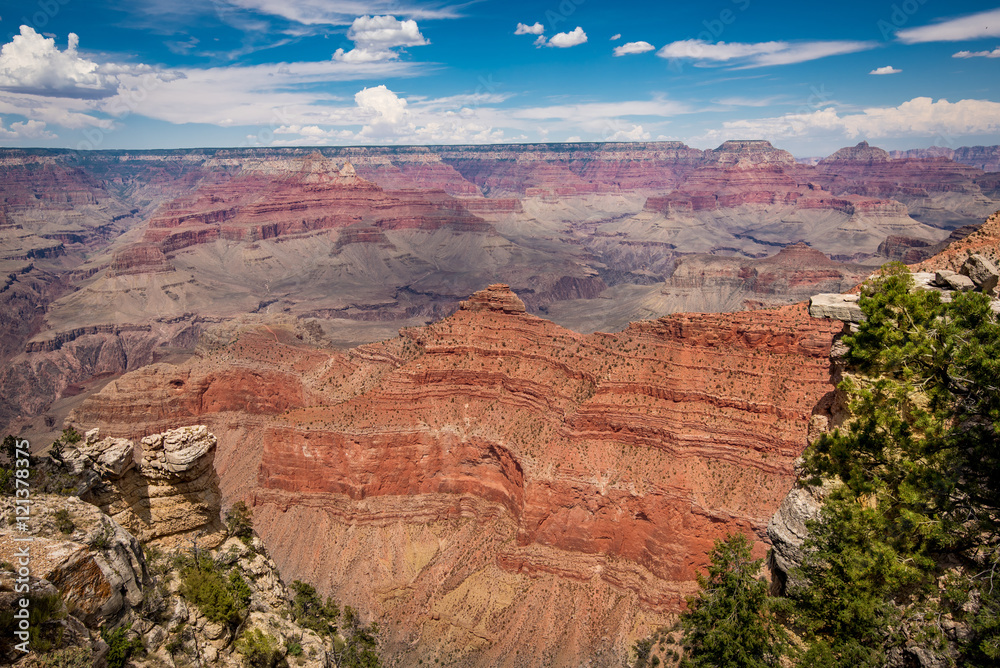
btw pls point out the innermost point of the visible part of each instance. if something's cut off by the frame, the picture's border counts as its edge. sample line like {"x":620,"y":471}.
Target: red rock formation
{"x":444,"y":481}
{"x":307,"y":196}
{"x":138,"y":259}
{"x":985,"y":240}
{"x":986,"y":158}
{"x":865,"y":170}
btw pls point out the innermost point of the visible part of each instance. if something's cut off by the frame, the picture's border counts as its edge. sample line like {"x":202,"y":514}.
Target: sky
{"x":809,"y":77}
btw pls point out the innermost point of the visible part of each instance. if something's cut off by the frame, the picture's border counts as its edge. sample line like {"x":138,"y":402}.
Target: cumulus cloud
{"x":617,"y":36}
{"x":974,"y":26}
{"x":759,"y":54}
{"x":564,"y":40}
{"x":633,"y":47}
{"x":995,"y":53}
{"x":30,"y":63}
{"x":26,"y":130}
{"x":387,"y":111}
{"x":375,"y":36}
{"x":888,"y":69}
{"x":633,"y":133}
{"x":920,"y":117}
{"x":523,"y":29}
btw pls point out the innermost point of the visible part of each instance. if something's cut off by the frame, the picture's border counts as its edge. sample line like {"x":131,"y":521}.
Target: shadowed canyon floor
{"x":470,"y":481}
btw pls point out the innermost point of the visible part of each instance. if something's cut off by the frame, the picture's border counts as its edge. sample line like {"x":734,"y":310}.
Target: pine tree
{"x":730,"y":623}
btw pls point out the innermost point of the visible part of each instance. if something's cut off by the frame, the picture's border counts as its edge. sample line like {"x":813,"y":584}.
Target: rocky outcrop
{"x":88,"y":575}
{"x":981,"y":271}
{"x":96,"y":565}
{"x":168,"y":496}
{"x":842,"y":307}
{"x":138,"y":259}
{"x":497,"y":298}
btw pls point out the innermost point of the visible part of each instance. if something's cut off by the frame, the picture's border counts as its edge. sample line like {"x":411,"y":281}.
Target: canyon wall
{"x":466,"y":481}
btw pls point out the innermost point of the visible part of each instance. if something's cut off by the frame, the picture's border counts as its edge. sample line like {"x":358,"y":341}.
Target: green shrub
{"x":221,"y":600}
{"x":70,"y":657}
{"x":41,"y":610}
{"x":730,"y":622}
{"x":310,"y":612}
{"x":121,"y":648}
{"x":260,"y":650}
{"x":239,"y":522}
{"x":64,"y":522}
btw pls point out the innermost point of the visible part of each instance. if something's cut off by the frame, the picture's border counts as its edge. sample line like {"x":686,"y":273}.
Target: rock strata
{"x":513,"y":455}
{"x":168,"y":497}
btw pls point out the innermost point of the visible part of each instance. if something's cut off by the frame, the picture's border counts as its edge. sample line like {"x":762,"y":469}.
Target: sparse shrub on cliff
{"x":42,"y":610}
{"x":260,"y":650}
{"x":63,"y":521}
{"x":731,"y":622}
{"x":220,"y":600}
{"x":121,"y":648}
{"x":239,"y":522}
{"x":311,"y":612}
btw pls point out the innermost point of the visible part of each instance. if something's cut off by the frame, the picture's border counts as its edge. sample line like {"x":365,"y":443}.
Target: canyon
{"x":466,"y":480}
{"x":501,"y":399}
{"x":113,"y":260}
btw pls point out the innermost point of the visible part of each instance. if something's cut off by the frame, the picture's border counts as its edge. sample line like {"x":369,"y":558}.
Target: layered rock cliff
{"x":466,"y":480}
{"x":166,"y":494}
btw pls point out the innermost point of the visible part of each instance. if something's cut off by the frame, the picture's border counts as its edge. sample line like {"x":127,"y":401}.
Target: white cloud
{"x":385,"y":31}
{"x":634,"y":133}
{"x":888,"y":69}
{"x":617,"y":36}
{"x":540,"y":41}
{"x":387,"y":109}
{"x":633,"y":47}
{"x":30,"y":63}
{"x":374,"y":36}
{"x":564,"y":40}
{"x":975,"y":26}
{"x":995,"y":53}
{"x":341,"y":12}
{"x":920,"y":117}
{"x":523,"y":29}
{"x":361,"y":55}
{"x":597,"y":110}
{"x":759,"y":54}
{"x":263,"y":95}
{"x":26,"y":130}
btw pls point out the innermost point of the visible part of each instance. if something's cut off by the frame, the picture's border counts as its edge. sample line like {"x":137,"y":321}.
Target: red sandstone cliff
{"x":468,"y":480}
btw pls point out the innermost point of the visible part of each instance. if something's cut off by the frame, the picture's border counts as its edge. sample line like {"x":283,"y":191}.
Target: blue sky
{"x":809,"y":77}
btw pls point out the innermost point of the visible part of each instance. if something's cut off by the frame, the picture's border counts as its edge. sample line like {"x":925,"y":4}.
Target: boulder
{"x":787,"y":529}
{"x":836,"y":306}
{"x":98,"y":567}
{"x":951,"y":280}
{"x":982,"y":271}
